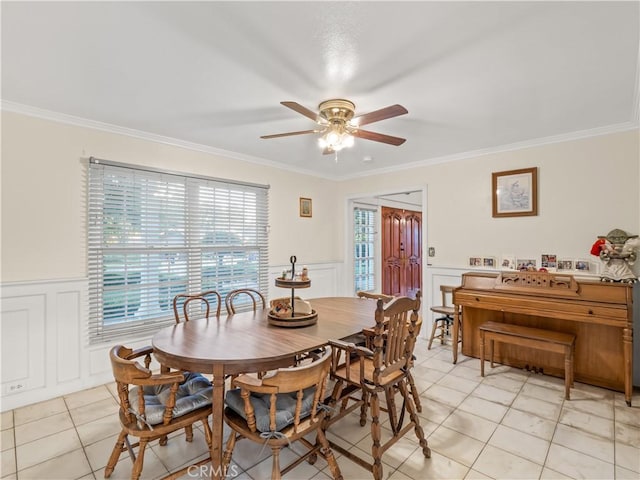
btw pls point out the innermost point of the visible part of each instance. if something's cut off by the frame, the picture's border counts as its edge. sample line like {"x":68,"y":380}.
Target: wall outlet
{"x":14,"y":387}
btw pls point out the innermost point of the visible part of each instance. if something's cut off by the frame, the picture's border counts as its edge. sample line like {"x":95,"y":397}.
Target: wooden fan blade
{"x":296,"y":107}
{"x":288,"y":134}
{"x":382,"y":114}
{"x":378,"y":137}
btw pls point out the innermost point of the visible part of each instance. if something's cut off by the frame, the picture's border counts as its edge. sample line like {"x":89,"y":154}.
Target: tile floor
{"x":509,"y":425}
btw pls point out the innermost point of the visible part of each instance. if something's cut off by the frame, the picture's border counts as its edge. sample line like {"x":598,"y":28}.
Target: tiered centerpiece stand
{"x":291,"y":318}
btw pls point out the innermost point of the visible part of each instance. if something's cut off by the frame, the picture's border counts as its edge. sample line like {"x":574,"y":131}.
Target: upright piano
{"x":599,"y":314}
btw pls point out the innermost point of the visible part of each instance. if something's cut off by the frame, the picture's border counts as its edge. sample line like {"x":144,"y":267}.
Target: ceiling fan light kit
{"x":339,"y":126}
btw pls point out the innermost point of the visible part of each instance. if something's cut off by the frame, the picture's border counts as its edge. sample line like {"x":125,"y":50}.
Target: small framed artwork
{"x":582,"y":265}
{"x":305,"y":207}
{"x":475,"y":261}
{"x":508,"y":262}
{"x":565,"y":265}
{"x":526,"y":264}
{"x":489,"y":262}
{"x":515,"y":192}
{"x":549,"y":261}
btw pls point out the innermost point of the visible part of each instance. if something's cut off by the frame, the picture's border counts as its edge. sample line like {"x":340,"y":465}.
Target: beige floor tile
{"x":628,"y":415}
{"x":151,"y":470}
{"x":529,"y":423}
{"x":520,"y":443}
{"x":398,"y":475}
{"x":624,"y":474}
{"x":620,"y":400}
{"x":445,"y":395}
{"x":628,"y":434}
{"x":548,"y":474}
{"x":493,"y":394}
{"x":435,"y":363}
{"x":438,"y":466}
{"x":434,"y":412}
{"x":483,"y":408}
{"x":105,"y":427}
{"x":455,"y":445}
{"x":542,"y":393}
{"x":592,"y":406}
{"x":38,"y":411}
{"x":396,"y":454}
{"x":589,"y":423}
{"x":178,"y":452}
{"x":497,"y":463}
{"x":349,"y":429}
{"x":577,"y":465}
{"x":547,"y":410}
{"x":73,"y":464}
{"x":7,"y":439}
{"x":94,"y":411}
{"x":247,"y":454}
{"x":46,"y":448}
{"x":8,"y":463}
{"x":627,"y":457}
{"x":465,"y":372}
{"x":426,"y":374}
{"x":85,"y":397}
{"x":6,"y":420}
{"x":547,"y":381}
{"x":504,"y":382}
{"x":598,"y":447}
{"x":470,"y":425}
{"x":458,"y":383}
{"x":28,"y":432}
{"x":98,"y":453}
{"x":303,"y":470}
{"x":475,"y":475}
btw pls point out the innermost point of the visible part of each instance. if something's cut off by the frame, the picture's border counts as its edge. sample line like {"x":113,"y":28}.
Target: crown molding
{"x":152,"y":137}
{"x":536,"y":142}
{"x":106,"y":127}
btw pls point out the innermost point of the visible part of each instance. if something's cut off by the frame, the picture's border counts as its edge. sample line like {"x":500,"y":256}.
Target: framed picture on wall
{"x":305,"y":207}
{"x":515,"y":192}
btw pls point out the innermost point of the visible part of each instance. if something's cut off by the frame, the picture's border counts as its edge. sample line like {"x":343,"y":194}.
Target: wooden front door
{"x":401,"y":251}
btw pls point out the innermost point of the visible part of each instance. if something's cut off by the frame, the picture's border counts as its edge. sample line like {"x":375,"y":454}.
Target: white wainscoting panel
{"x":45,"y":352}
{"x":23,"y":344}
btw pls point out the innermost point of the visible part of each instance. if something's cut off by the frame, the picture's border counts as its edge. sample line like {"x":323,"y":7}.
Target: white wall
{"x":586,"y":188}
{"x":43,"y":196}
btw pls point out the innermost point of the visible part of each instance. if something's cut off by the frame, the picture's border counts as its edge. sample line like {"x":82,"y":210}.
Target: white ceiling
{"x":475,"y":76}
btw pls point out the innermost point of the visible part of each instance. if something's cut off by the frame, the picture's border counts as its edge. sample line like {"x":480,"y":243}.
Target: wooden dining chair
{"x":280,"y":409}
{"x":255,"y":297}
{"x":154,"y":405}
{"x":368,"y":334}
{"x":362,"y":374}
{"x":204,"y":299}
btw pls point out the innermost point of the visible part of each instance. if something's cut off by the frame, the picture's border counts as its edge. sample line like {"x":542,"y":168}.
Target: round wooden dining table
{"x":246,"y":342}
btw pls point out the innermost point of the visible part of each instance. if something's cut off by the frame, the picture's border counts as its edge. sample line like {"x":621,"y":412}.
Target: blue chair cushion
{"x":195,"y":392}
{"x":285,"y":407}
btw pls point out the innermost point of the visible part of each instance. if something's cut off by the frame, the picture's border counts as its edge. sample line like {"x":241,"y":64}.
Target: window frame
{"x":221,"y":243}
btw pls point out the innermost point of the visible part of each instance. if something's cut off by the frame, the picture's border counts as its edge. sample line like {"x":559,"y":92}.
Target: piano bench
{"x":548,"y":340}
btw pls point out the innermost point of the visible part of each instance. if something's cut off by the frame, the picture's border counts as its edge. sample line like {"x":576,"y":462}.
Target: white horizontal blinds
{"x":364,"y":224}
{"x":153,"y":235}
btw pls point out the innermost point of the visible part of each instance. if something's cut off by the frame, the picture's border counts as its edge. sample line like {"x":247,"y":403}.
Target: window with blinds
{"x":364,"y":224}
{"x":153,"y":235}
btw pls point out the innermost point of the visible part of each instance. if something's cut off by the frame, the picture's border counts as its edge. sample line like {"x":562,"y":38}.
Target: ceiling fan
{"x":339,"y":126}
